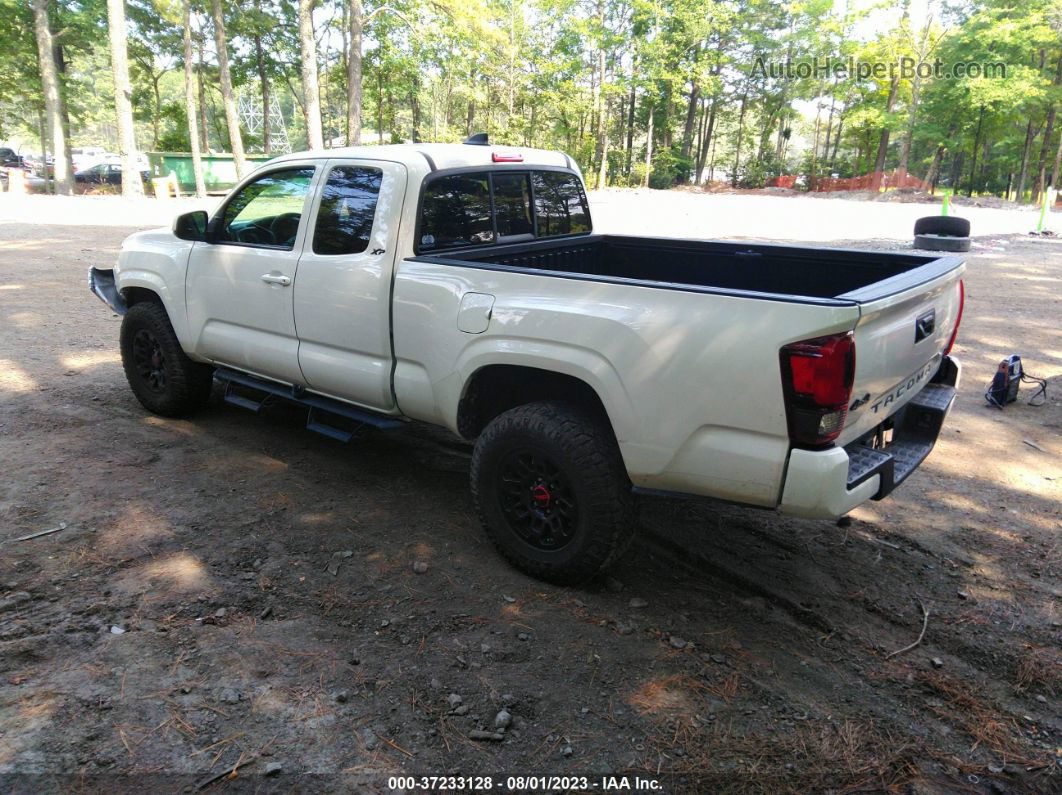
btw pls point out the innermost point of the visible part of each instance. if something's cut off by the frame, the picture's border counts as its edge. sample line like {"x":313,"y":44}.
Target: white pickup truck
{"x":462,"y":285}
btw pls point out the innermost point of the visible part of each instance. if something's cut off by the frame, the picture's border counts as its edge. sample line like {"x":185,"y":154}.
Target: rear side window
{"x":348,"y":206}
{"x":456,"y":212}
{"x":560,"y":204}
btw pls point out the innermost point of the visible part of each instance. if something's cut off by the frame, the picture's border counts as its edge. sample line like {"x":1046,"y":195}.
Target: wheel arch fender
{"x":135,"y":285}
{"x":581,"y":364}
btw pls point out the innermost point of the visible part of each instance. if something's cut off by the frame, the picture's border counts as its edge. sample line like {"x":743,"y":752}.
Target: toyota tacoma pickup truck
{"x":463,"y":285}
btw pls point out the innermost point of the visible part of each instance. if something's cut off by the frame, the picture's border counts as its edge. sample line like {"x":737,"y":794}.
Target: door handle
{"x":273,"y":278}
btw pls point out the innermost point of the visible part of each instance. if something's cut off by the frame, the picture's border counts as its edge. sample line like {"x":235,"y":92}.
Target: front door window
{"x":267,"y":212}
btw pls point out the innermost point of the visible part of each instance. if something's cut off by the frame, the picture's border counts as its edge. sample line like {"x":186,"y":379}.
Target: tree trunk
{"x":189,"y":103}
{"x":414,"y":107}
{"x":708,"y":139}
{"x":829,"y":132}
{"x":934,"y":168}
{"x":53,"y":99}
{"x":908,"y":134}
{"x":1029,"y":136}
{"x":977,"y":143}
{"x":602,"y":174}
{"x":156,"y":115}
{"x":1024,"y":170}
{"x":380,"y":106}
{"x":767,"y":120}
{"x":600,"y":110}
{"x":60,"y":65}
{"x":1058,"y":164}
{"x":630,"y":128}
{"x":227,"y":97}
{"x":132,"y":185}
{"x":42,"y":131}
{"x":665,"y":128}
{"x":986,"y":151}
{"x":354,"y":75}
{"x":740,"y":133}
{"x":311,"y":94}
{"x":648,"y":149}
{"x":837,"y":139}
{"x":691,"y":118}
{"x":779,"y":140}
{"x":511,"y":77}
{"x":263,"y":79}
{"x":204,"y":137}
{"x":956,"y":168}
{"x":916,"y":92}
{"x":1041,"y":161}
{"x":883,"y":140}
{"x":814,"y":172}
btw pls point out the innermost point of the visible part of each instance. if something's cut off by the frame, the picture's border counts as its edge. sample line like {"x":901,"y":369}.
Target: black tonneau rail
{"x":761,"y":270}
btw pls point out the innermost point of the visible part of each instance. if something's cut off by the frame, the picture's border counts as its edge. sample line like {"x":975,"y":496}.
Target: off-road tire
{"x":949,"y":225}
{"x":583,"y":450}
{"x":186,"y":384}
{"x":929,"y":242}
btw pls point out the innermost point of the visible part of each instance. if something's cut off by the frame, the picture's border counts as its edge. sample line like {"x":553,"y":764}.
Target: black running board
{"x":325,"y":416}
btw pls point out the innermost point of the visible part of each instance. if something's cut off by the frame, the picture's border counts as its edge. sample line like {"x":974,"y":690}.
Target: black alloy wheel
{"x":537,"y":500}
{"x":149,"y":360}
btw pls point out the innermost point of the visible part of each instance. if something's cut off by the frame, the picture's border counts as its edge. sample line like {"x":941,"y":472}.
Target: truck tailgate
{"x":900,"y":340}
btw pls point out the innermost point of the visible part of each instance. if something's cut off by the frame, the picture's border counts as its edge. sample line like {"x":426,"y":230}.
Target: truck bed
{"x":821,"y":274}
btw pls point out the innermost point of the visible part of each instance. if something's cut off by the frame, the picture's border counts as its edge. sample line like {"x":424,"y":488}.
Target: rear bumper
{"x":826,"y":484}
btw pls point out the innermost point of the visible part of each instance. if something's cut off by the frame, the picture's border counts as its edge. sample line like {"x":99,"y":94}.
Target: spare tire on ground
{"x":949,"y":225}
{"x":942,"y":243}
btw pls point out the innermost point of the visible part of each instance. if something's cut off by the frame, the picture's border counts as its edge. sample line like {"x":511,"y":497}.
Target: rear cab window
{"x":475,"y":208}
{"x":560,"y":204}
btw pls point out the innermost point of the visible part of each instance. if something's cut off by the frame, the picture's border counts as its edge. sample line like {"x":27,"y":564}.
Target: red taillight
{"x":817,"y":378}
{"x":958,"y":318}
{"x":506,"y":157}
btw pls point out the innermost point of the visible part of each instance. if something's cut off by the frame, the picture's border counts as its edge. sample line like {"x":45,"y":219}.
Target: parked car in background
{"x":9,"y":158}
{"x":105,"y":174}
{"x":35,"y":164}
{"x":84,"y":157}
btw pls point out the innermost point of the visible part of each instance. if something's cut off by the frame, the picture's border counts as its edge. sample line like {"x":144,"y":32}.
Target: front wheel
{"x":161,"y":375}
{"x":552,"y":492}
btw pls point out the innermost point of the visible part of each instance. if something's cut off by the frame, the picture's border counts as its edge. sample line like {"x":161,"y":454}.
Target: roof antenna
{"x":479,"y":139}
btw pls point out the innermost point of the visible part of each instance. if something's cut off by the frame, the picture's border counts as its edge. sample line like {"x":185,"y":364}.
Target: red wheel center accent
{"x":541,"y":496}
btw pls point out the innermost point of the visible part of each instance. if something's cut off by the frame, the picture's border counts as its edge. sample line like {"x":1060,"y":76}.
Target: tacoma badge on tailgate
{"x":903,"y":387}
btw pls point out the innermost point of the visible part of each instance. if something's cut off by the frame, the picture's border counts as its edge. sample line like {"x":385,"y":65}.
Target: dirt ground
{"x":233,"y":593}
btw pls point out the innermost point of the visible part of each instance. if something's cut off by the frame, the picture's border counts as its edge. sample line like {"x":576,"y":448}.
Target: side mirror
{"x":191,"y":226}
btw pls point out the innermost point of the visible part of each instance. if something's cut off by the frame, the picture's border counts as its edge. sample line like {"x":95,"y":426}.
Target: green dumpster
{"x":219,"y":169}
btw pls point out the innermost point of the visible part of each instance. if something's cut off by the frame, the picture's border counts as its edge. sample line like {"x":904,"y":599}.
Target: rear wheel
{"x":161,"y":375}
{"x":552,"y":492}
